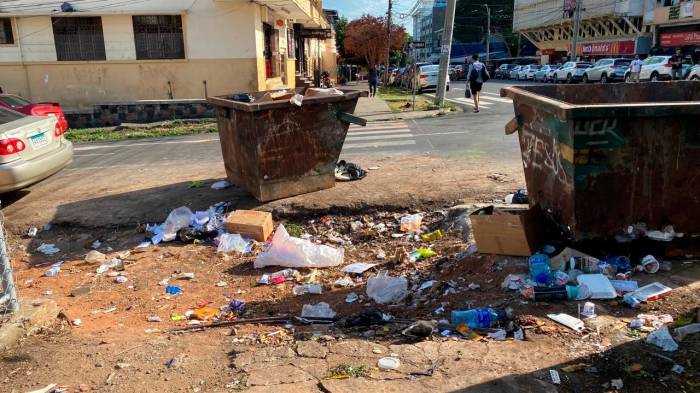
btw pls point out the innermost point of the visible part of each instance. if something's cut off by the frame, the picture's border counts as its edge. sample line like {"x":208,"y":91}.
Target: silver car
{"x":32,"y":148}
{"x":513,"y":74}
{"x":607,"y":70}
{"x":428,"y":78}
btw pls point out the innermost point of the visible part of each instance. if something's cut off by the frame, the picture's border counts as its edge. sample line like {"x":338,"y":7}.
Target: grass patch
{"x":294,"y":230}
{"x":402,"y":101}
{"x":344,"y":370}
{"x":172,"y":128}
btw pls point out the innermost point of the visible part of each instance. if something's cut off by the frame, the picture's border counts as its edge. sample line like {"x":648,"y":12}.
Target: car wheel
{"x":628,"y":78}
{"x":569,"y":79}
{"x":585,"y":78}
{"x":654,"y":77}
{"x":604,"y":78}
{"x":695,"y":78}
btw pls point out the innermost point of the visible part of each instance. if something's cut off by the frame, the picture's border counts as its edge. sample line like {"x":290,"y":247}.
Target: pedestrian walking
{"x":635,"y":69}
{"x":373,"y":79}
{"x":677,"y":65}
{"x":476,"y":76}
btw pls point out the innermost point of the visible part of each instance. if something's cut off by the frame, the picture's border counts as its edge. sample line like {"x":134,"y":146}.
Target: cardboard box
{"x":507,"y":231}
{"x":250,"y":223}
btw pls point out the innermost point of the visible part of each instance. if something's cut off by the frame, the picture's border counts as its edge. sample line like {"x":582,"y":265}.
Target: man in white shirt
{"x":635,"y":69}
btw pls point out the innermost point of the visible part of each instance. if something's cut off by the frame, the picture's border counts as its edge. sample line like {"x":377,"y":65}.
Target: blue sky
{"x":353,"y":9}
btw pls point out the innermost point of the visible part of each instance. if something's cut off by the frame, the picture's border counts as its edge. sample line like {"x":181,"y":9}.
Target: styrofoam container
{"x":599,"y":285}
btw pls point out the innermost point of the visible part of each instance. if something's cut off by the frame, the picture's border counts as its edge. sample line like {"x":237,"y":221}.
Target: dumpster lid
{"x":611,"y":100}
{"x":261,"y":103}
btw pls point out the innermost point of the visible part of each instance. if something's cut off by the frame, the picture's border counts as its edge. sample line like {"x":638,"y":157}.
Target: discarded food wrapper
{"x":513,"y":282}
{"x":681,"y":332}
{"x":48,"y":249}
{"x":388,"y":363}
{"x":358,"y":268}
{"x":294,"y":252}
{"x":420,"y":254}
{"x":173,"y":290}
{"x":297,"y":100}
{"x":617,"y":384}
{"x":221,"y":185}
{"x":385,"y":289}
{"x":662,"y":339}
{"x":344,"y":282}
{"x":432,"y":236}
{"x":351,"y":297}
{"x":237,"y":306}
{"x":498,"y":335}
{"x":568,"y":321}
{"x":319,"y":310}
{"x":652,"y":292}
{"x":313,"y":289}
{"x":411,"y":223}
{"x":120,"y":279}
{"x":233,"y":242}
{"x":588,"y":310}
{"x":624,"y":286}
{"x":32,"y":231}
{"x":599,"y":285}
{"x":650,"y":264}
{"x":555,"y":377}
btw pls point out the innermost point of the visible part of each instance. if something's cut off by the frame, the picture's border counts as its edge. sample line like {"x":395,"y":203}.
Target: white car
{"x":428,"y":78}
{"x":571,"y":72}
{"x":32,"y":148}
{"x":658,"y":68}
{"x":528,"y":72}
{"x":694,"y":74}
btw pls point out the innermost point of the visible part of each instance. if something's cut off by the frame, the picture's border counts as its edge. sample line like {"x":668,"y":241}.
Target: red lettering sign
{"x":604,"y":48}
{"x":680,"y":39}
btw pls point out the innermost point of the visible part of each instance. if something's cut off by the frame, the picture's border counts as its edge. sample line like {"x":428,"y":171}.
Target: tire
{"x":628,"y":78}
{"x":604,"y":78}
{"x":569,"y":79}
{"x":654,"y":77}
{"x":695,"y":78}
{"x":585,"y":78}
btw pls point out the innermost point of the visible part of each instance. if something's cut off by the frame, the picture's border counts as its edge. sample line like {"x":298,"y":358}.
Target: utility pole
{"x":445,"y":51}
{"x":388,"y":45}
{"x":488,"y":33}
{"x":577,"y":27}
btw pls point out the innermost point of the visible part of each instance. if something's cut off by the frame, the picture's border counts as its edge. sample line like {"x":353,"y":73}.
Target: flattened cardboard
{"x":511,"y":231}
{"x":250,"y":224}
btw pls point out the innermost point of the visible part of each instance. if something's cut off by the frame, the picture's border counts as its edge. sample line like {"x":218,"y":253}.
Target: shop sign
{"x":320,"y":34}
{"x":680,"y":39}
{"x":603,"y":48}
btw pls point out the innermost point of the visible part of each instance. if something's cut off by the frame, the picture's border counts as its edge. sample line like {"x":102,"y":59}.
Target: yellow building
{"x":107,"y":51}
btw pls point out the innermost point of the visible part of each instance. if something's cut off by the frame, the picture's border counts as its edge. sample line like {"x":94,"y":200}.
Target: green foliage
{"x":345,"y":370}
{"x":172,"y":128}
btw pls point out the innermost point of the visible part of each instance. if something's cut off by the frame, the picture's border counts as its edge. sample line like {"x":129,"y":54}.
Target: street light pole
{"x":577,"y":27}
{"x":445,"y":51}
{"x":388,"y":46}
{"x":488,"y":33}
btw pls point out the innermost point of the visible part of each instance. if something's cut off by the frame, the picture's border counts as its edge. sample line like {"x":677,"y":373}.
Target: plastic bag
{"x":384,"y":289}
{"x":233,"y":242}
{"x":662,"y":339}
{"x":179,"y":218}
{"x":293,"y":252}
{"x":320,"y":310}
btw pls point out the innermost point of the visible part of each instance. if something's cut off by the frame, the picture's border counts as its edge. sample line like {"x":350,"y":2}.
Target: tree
{"x":341,"y":27}
{"x":366,"y":37}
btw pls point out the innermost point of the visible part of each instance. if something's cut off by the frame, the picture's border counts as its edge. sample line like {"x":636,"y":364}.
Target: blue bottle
{"x":540,"y":272}
{"x":478,"y":317}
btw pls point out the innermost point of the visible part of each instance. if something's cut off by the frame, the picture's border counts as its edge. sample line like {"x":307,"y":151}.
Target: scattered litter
{"x":411,"y":223}
{"x":173,"y":290}
{"x":153,"y":319}
{"x":663,"y":236}
{"x":319,"y":310}
{"x":76,"y":322}
{"x":617,"y":384}
{"x":185,"y":276}
{"x":348,"y":171}
{"x":652,"y":292}
{"x":519,"y":334}
{"x":115,"y":262}
{"x":681,"y":332}
{"x":109,"y":310}
{"x":588,"y":310}
{"x":498,"y":335}
{"x":238,"y":306}
{"x":568,"y":321}
{"x":358,"y":268}
{"x":426,"y":285}
{"x":384,"y":289}
{"x":314,"y":289}
{"x":294,"y":252}
{"x":599,"y":285}
{"x":662,"y":339}
{"x":381,"y":255}
{"x":624,"y":286}
{"x":513,"y":282}
{"x":221,"y":284}
{"x":344,"y":282}
{"x":54,"y":270}
{"x":95,"y":256}
{"x":473,"y":286}
{"x":650,"y":264}
{"x":432,"y":236}
{"x":420,"y":254}
{"x":120,"y":279}
{"x":555,"y":377}
{"x":204,"y":313}
{"x":373,"y":168}
{"x":221,"y":185}
{"x":678,"y":369}
{"x":420,"y":329}
{"x":389,"y":363}
{"x":32,"y":231}
{"x":48,"y":249}
{"x":96,"y":244}
{"x":351,"y":297}
{"x":233,"y":242}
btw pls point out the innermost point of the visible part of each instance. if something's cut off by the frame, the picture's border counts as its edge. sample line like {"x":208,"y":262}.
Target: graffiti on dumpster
{"x":542,"y":154}
{"x":597,"y":133}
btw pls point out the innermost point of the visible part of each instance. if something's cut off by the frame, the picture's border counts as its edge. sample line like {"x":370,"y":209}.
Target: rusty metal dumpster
{"x":599,"y":158}
{"x":276,"y":149}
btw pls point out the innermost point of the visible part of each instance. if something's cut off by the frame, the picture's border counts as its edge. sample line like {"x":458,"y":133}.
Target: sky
{"x":353,"y":9}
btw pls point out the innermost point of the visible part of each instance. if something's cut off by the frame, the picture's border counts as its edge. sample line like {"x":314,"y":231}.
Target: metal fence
{"x":8,"y":291}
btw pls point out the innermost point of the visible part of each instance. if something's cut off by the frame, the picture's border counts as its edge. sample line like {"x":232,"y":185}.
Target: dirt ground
{"x":120,"y":347}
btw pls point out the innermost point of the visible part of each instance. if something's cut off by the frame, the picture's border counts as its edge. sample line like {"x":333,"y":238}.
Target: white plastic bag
{"x":384,"y":289}
{"x":662,"y":339}
{"x":233,"y":242}
{"x":182,"y":217}
{"x":293,"y":252}
{"x":320,"y":310}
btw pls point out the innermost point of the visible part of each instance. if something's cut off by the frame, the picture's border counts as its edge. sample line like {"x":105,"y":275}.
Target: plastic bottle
{"x":563,"y":292}
{"x":479,"y":317}
{"x":540,"y":271}
{"x":53,"y":272}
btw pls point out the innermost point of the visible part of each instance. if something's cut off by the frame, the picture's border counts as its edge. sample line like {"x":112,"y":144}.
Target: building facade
{"x":422,"y":14}
{"x":677,"y":25}
{"x":98,"y":51}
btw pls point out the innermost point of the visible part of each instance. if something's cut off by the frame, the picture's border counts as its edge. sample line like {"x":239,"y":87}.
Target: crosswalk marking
{"x":393,"y":134}
{"x":396,"y":131}
{"x":495,"y":97}
{"x":469,"y":101}
{"x":382,"y":126}
{"x":379,"y":137}
{"x":378,"y":144}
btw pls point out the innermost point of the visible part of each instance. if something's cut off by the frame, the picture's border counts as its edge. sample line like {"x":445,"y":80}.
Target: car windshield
{"x":7,"y":115}
{"x":430,"y":68}
{"x":622,"y":63}
{"x":14,"y":101}
{"x":582,"y":65}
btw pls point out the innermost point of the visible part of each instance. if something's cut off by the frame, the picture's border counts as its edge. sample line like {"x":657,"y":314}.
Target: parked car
{"x":658,"y":68}
{"x":571,"y":72}
{"x":32,"y":148}
{"x":607,"y":70}
{"x":551,"y":73}
{"x":503,"y":71}
{"x":694,"y":74}
{"x":428,"y":78}
{"x":528,"y":72}
{"x":457,"y":72}
{"x":513,"y":74}
{"x":542,"y":72}
{"x":22,"y":105}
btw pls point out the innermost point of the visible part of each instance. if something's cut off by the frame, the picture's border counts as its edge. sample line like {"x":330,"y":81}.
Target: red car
{"x":22,"y":105}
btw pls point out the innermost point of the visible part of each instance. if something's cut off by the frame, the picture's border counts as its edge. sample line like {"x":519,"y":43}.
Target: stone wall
{"x":114,"y":114}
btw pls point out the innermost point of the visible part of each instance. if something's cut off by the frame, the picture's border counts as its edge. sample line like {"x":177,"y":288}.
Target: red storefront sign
{"x":549,"y":52}
{"x":680,"y":39}
{"x":602,"y":48}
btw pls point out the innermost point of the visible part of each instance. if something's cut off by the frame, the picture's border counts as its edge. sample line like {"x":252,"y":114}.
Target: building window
{"x":79,"y":38}
{"x":159,"y":37}
{"x":6,"y":36}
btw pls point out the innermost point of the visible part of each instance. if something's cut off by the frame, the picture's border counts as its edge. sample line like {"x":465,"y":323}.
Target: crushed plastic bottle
{"x":54,"y":270}
{"x":540,"y":272}
{"x":480,"y":317}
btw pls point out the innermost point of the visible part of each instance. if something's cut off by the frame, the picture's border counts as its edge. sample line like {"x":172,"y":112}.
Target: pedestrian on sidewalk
{"x":677,"y":65}
{"x":476,"y":76}
{"x":635,"y":69}
{"x":373,"y":79}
